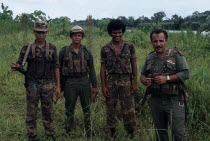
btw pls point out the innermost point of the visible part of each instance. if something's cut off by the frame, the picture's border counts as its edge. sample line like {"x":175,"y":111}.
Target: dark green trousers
{"x":75,"y":88}
{"x":168,"y":110}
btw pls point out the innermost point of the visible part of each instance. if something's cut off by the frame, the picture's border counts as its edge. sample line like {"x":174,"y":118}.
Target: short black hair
{"x":115,"y":25}
{"x":158,"y":31}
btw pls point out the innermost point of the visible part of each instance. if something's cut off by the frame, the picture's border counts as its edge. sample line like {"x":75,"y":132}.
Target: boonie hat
{"x":40,"y":26}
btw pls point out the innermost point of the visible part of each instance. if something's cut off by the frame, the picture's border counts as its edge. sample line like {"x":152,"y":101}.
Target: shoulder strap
{"x":165,"y":58}
{"x":47,"y":49}
{"x":171,"y":53}
{"x":26,"y":53}
{"x":32,"y":45}
{"x":82,"y":61}
{"x":153,"y":62}
{"x":33,"y":50}
{"x":70,"y":58}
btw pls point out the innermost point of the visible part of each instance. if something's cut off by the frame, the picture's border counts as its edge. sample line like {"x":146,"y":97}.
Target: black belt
{"x":38,"y":78}
{"x":119,"y":75}
{"x":165,"y":95}
{"x":77,"y":78}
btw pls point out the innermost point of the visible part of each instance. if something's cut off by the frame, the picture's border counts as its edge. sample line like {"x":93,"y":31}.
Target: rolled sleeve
{"x":183,"y":75}
{"x":103,"y":56}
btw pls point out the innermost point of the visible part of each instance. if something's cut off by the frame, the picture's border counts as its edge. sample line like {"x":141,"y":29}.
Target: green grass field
{"x":13,"y":101}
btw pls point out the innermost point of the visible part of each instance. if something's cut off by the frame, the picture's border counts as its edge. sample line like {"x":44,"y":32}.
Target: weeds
{"x":13,"y":101}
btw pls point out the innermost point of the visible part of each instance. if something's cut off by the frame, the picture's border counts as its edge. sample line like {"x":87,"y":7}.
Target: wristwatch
{"x":168,"y":78}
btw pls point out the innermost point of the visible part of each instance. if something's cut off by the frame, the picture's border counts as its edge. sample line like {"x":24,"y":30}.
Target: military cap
{"x":40,"y":26}
{"x":76,"y":29}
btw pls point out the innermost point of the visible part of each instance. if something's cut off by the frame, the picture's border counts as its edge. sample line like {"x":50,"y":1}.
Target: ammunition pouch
{"x":183,"y":92}
{"x":170,"y":88}
{"x":73,"y":65}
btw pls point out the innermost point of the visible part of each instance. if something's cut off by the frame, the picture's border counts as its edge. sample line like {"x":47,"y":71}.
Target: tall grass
{"x":13,"y":101}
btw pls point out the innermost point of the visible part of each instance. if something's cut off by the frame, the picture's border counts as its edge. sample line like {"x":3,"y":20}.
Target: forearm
{"x":57,"y":77}
{"x":180,"y":76}
{"x":103,"y":75}
{"x":93,"y":79}
{"x":174,"y":78}
{"x":183,"y":75}
{"x":134,"y":70}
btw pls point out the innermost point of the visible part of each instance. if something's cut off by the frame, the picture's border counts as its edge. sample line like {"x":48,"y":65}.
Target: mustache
{"x":158,"y":47}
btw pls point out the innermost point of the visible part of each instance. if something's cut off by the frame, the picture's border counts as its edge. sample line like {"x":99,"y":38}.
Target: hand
{"x":105,"y":91}
{"x":134,"y":88}
{"x":146,"y":81}
{"x":160,"y":79}
{"x":94,"y":92}
{"x":58,"y":92}
{"x":14,"y":66}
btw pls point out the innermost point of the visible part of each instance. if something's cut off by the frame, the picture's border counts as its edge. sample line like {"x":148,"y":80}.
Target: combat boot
{"x":131,"y":133}
{"x":113,"y":132}
{"x":90,"y":134}
{"x":68,"y":129}
{"x":32,"y":138}
{"x":52,"y":137}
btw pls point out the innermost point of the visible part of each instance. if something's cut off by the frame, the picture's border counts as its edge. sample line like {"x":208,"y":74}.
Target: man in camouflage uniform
{"x":77,"y":73}
{"x":164,"y":72}
{"x":119,"y":78}
{"x":42,"y":68}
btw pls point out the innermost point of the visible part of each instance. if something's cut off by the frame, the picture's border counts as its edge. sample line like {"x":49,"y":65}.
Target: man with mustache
{"x":164,"y":73}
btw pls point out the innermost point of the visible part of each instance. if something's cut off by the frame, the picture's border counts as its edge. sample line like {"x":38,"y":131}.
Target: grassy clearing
{"x":13,"y":102}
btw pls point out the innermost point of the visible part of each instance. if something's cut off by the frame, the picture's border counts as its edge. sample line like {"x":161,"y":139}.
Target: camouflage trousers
{"x":39,"y":90}
{"x":119,"y":88}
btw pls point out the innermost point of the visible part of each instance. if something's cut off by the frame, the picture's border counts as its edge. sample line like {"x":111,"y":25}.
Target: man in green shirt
{"x":164,"y":73}
{"x":77,"y":73}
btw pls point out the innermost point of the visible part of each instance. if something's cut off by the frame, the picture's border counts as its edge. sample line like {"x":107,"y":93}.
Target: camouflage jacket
{"x":118,"y":63}
{"x":38,"y":65}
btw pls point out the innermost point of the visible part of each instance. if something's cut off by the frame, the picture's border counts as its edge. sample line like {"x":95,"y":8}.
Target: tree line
{"x":199,"y":21}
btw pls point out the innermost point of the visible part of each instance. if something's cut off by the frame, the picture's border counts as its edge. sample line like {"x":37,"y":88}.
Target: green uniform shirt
{"x":180,"y":68}
{"x":87,"y":56}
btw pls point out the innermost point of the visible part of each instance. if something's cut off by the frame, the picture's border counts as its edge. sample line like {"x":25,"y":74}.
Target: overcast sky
{"x":80,"y":9}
